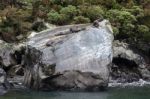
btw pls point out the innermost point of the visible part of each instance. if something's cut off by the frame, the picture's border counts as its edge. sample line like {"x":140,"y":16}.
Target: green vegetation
{"x":92,"y":12}
{"x":81,"y":19}
{"x":14,"y":22}
{"x":57,"y":18}
{"x":130,"y":19}
{"x":70,"y":11}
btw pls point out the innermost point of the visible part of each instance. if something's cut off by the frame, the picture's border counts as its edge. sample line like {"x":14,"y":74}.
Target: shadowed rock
{"x":8,"y":54}
{"x":4,"y":85}
{"x":128,"y":65}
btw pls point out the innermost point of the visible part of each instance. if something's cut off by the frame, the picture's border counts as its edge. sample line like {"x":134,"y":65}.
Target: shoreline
{"x":140,"y":83}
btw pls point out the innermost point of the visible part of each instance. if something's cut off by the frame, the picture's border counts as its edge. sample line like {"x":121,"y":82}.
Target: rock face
{"x":6,"y":52}
{"x":9,"y":54}
{"x":128,"y":64}
{"x":4,"y":85}
{"x":65,"y":60}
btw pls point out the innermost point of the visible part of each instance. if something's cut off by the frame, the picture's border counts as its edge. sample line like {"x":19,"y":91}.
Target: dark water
{"x":115,"y":93}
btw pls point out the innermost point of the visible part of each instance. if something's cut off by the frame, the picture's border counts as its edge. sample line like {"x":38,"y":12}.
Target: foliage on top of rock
{"x":126,"y":16}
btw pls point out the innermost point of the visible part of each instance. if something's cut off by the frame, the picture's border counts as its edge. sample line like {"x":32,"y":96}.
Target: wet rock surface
{"x":78,"y":81}
{"x":128,"y":65}
{"x":62,"y":58}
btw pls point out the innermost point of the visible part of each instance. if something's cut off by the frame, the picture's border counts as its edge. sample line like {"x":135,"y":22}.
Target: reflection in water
{"x":115,"y":93}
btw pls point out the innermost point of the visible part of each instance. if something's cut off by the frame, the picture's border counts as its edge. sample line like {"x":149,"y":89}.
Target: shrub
{"x":13,"y":21}
{"x":7,"y":34}
{"x":120,"y":16}
{"x":143,"y":32}
{"x":108,"y":3}
{"x":6,"y":30}
{"x":124,"y":21}
{"x":56,"y":18}
{"x":93,"y":12}
{"x":70,"y":2}
{"x":70,"y":11}
{"x":115,"y":30}
{"x":142,"y":29}
{"x":137,"y":11}
{"x":81,"y":19}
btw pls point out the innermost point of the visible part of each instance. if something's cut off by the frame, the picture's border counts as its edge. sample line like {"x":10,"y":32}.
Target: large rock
{"x":70,"y":59}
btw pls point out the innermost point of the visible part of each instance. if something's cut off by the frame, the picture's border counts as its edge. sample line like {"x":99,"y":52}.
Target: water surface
{"x":113,"y":93}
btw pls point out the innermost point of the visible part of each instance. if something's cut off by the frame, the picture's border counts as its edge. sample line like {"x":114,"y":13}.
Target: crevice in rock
{"x":124,"y":63}
{"x":124,"y":70}
{"x":18,"y":57}
{"x":16,"y":67}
